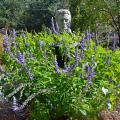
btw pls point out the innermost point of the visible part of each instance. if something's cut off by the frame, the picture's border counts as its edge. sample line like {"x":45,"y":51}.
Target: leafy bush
{"x":87,"y":82}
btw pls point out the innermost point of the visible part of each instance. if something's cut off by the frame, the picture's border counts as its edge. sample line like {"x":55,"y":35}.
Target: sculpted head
{"x":63,"y":19}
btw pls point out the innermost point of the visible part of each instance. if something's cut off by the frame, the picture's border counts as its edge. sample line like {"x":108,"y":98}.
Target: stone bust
{"x":63,"y":19}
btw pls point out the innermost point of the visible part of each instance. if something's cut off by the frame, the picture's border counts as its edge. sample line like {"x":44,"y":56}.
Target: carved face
{"x":63,"y":20}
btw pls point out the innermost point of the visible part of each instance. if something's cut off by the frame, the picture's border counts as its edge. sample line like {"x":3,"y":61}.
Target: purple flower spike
{"x":20,"y":58}
{"x":6,"y":44}
{"x":13,"y":33}
{"x":31,"y":77}
{"x":56,"y":65}
{"x":29,"y":73}
{"x":94,"y":48}
{"x":92,"y":75}
{"x":92,"y":60}
{"x":96,"y":42}
{"x":90,"y":35}
{"x":82,"y":55}
{"x":85,"y":38}
{"x":76,"y":56}
{"x":88,"y":43}
{"x":108,"y":60}
{"x":88,"y":68}
{"x":83,"y":89}
{"x":81,"y":45}
{"x":23,"y":35}
{"x":89,"y":72}
{"x":89,"y":82}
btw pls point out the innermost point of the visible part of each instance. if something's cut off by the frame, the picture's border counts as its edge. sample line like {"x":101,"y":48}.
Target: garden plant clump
{"x":64,"y":76}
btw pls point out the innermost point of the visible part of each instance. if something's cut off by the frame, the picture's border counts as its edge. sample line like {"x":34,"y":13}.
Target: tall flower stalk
{"x":108,"y":60}
{"x":13,"y":34}
{"x":20,"y":58}
{"x":114,"y":42}
{"x":89,"y":74}
{"x":6,"y":43}
{"x":56,"y":65}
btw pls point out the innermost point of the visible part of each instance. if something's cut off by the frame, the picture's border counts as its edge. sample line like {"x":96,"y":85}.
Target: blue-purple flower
{"x":108,"y":60}
{"x":6,"y":43}
{"x":29,"y":73}
{"x":13,"y":34}
{"x":88,"y":68}
{"x":92,"y":60}
{"x":81,"y":44}
{"x":89,"y":74}
{"x":83,"y":89}
{"x":94,"y":48}
{"x":20,"y":58}
{"x":23,"y":35}
{"x":56,"y":65}
{"x":89,"y":35}
{"x":82,"y":55}
{"x":88,"y":43}
{"x":89,"y":82}
{"x":76,"y":56}
{"x":96,"y":42}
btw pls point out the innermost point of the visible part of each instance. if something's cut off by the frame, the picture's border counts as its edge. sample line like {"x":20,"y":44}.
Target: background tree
{"x":38,"y":13}
{"x":111,"y":8}
{"x":10,"y":12}
{"x":87,"y":13}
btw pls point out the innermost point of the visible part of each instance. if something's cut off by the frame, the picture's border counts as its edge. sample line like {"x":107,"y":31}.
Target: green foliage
{"x":66,"y":98}
{"x":10,"y":12}
{"x":90,"y":12}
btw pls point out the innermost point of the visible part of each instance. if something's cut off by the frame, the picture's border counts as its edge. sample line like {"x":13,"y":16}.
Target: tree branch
{"x":32,"y":97}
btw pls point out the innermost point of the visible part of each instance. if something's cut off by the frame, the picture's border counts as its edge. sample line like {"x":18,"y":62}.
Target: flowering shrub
{"x":83,"y":77}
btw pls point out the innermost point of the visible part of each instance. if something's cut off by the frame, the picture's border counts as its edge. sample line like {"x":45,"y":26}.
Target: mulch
{"x":114,"y":115}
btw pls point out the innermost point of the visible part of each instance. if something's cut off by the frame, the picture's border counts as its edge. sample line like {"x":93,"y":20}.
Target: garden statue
{"x":63,"y":23}
{"x":63,"y":20}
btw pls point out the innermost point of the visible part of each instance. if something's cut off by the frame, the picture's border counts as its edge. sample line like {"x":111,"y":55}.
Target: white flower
{"x":109,"y":105}
{"x":104,"y":90}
